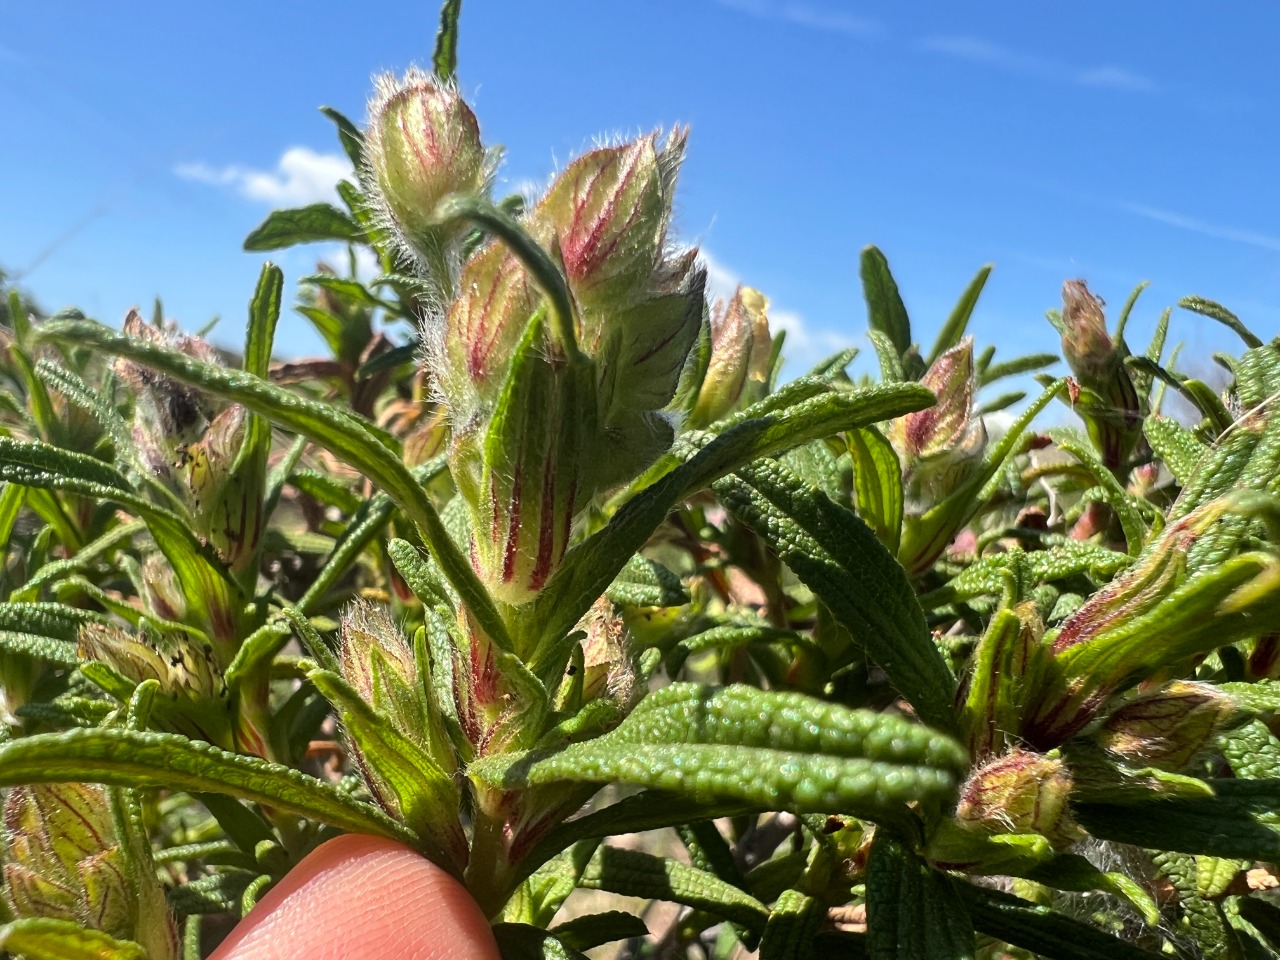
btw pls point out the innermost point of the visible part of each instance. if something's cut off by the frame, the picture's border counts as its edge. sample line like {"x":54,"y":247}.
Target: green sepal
{"x":48,"y":939}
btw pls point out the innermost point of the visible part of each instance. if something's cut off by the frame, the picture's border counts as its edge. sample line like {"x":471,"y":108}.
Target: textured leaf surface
{"x":912,"y":909}
{"x":310,"y":224}
{"x":48,"y":939}
{"x":131,"y":758}
{"x":772,"y":750}
{"x":839,"y":558}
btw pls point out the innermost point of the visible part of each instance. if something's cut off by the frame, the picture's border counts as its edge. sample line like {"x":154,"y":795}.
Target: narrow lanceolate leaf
{"x":595,"y":929}
{"x":912,"y":910}
{"x":877,"y":484}
{"x":1117,"y":497}
{"x":348,"y":437}
{"x":839,"y":558}
{"x":310,"y":224}
{"x":43,"y":938}
{"x":1216,"y":311}
{"x":1068,"y":558}
{"x":130,"y":758}
{"x":53,"y":651}
{"x":776,"y":751}
{"x":763,"y":430}
{"x":1041,"y":929}
{"x":885,"y":311}
{"x":792,"y":925}
{"x":1241,"y":821}
{"x":445,"y":59}
{"x":954,"y":329}
{"x":635,"y":874}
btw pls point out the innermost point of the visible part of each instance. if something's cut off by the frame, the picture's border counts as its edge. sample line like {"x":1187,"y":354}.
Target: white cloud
{"x":302,"y":176}
{"x":1249,"y":237}
{"x":824,"y":19}
{"x":977,"y":50}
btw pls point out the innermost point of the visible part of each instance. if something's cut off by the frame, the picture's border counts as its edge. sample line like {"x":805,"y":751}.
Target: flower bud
{"x":1021,"y":792}
{"x":941,"y":427}
{"x":741,"y":347}
{"x":195,"y":702}
{"x":608,"y":669}
{"x":377,"y":662}
{"x":608,"y":213}
{"x":1168,"y":728}
{"x":423,"y":144}
{"x":1108,"y":400}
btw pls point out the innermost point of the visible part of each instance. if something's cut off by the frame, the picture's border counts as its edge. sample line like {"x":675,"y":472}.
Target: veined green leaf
{"x":1240,"y":822}
{"x":349,"y":136}
{"x":954,"y":329}
{"x":1117,"y":497}
{"x":877,"y":484}
{"x":53,"y":651}
{"x":345,"y":435}
{"x":635,"y":874}
{"x":523,"y":941}
{"x":645,"y":583}
{"x":793,"y":923}
{"x":445,"y":59}
{"x":912,"y":910}
{"x":1178,"y":447}
{"x":886,"y":313}
{"x":761,"y":431}
{"x":44,"y":938}
{"x":777,"y":751}
{"x":1066,"y":558}
{"x":130,"y":758}
{"x":310,"y":224}
{"x":841,"y":560}
{"x":1044,"y":931}
{"x":595,"y":929}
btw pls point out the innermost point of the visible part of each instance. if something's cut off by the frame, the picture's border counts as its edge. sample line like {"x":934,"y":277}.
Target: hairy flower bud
{"x":64,"y":860}
{"x":1108,"y":402}
{"x":423,"y":144}
{"x":195,"y":701}
{"x":741,"y":347}
{"x":1169,"y":727}
{"x":1021,"y":792}
{"x":376,"y":660}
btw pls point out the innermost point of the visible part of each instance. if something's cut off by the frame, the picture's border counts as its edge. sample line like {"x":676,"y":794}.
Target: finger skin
{"x":367,"y":897}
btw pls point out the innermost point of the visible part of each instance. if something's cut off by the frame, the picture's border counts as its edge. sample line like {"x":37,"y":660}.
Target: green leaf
{"x":635,"y":874}
{"x":885,"y":311}
{"x":645,"y":583}
{"x":1042,"y":930}
{"x":793,"y":923}
{"x":1013,"y":368}
{"x":912,"y":910}
{"x":838,"y":557}
{"x":1179,"y":448}
{"x":349,"y":136}
{"x":523,"y":941}
{"x":877,"y":484}
{"x":129,"y":758}
{"x":1066,"y":558}
{"x":775,"y":751}
{"x":264,"y":314}
{"x":43,"y":938}
{"x":348,"y":437}
{"x":1240,"y":822}
{"x":1118,"y":498}
{"x":311,"y":224}
{"x":596,"y":929}
{"x":1216,"y":311}
{"x":445,"y":58}
{"x":954,"y":329}
{"x":57,"y":652}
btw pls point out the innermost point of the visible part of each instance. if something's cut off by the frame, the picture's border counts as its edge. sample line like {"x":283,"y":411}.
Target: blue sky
{"x":1114,"y":142}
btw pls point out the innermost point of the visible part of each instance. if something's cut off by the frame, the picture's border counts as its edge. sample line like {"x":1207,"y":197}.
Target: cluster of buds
{"x":546,"y":410}
{"x":1104,"y":394}
{"x":63,"y":860}
{"x":741,"y":354}
{"x":191,"y":444}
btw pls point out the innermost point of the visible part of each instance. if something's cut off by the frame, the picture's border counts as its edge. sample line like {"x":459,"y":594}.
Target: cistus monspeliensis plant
{"x":545,"y":553}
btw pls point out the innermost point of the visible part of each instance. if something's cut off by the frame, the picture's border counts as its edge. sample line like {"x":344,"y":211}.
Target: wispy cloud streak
{"x":1249,"y":237}
{"x":988,"y":53}
{"x":821,"y":18}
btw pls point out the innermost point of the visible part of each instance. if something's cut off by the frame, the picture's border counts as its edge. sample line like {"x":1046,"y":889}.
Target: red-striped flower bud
{"x":1021,"y":792}
{"x":741,"y":347}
